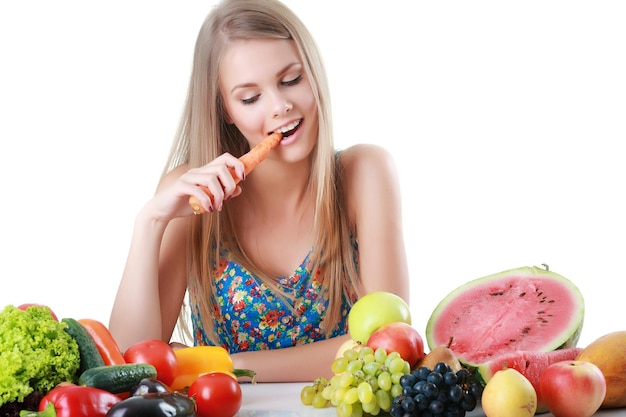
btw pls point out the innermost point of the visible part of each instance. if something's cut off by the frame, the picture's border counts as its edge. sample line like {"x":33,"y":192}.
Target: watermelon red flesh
{"x":527,"y":308}
{"x":529,"y":364}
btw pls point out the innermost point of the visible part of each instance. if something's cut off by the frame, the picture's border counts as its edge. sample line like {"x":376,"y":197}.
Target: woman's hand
{"x":172,"y":197}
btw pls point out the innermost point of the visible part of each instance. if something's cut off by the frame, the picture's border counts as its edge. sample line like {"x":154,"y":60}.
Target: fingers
{"x":216,"y":182}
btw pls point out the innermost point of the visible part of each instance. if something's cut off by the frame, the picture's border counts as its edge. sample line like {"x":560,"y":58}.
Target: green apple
{"x":374,"y":310}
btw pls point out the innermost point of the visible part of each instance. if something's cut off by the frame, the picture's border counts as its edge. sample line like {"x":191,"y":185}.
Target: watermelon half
{"x":522,"y":309}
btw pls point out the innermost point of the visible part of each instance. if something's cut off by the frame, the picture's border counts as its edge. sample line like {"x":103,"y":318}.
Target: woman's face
{"x":265,"y":89}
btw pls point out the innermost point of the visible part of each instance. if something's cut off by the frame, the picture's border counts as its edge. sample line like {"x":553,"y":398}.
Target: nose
{"x":282,"y":108}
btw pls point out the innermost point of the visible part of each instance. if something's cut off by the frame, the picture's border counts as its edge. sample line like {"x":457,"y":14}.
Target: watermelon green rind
{"x":490,"y":316}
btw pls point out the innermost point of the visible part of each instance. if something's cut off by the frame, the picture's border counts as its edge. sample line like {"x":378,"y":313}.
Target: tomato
{"x":26,"y":305}
{"x":156,"y":353}
{"x":216,"y":395}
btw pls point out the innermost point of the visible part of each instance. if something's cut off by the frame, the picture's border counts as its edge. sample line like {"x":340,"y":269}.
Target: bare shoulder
{"x":359,"y":162}
{"x":370,"y":181}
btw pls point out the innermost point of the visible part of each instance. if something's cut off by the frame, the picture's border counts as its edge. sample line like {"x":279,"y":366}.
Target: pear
{"x":509,"y":394}
{"x":441,"y":354}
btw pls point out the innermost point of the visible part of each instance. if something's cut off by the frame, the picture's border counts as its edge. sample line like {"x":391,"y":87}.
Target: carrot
{"x":106,"y":344}
{"x":250,"y":161}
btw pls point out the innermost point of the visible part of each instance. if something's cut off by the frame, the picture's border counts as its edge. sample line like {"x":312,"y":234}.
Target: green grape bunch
{"x":365,"y":382}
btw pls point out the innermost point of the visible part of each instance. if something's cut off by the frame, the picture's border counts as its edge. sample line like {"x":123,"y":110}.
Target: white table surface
{"x":283,"y":400}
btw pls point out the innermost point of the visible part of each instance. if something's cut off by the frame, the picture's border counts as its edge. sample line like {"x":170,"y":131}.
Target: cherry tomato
{"x":216,"y":395}
{"x":156,"y":353}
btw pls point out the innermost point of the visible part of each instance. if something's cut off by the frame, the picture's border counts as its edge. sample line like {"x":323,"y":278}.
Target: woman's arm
{"x":301,"y":363}
{"x":154,"y":281}
{"x":375,"y":210}
{"x":145,"y":306}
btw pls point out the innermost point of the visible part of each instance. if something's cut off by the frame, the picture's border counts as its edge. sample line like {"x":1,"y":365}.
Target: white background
{"x":507,"y":121}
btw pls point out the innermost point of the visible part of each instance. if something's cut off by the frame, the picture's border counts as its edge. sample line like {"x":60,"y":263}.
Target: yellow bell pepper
{"x":195,"y":361}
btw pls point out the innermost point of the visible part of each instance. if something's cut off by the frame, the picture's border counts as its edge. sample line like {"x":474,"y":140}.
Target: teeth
{"x":289,"y":127}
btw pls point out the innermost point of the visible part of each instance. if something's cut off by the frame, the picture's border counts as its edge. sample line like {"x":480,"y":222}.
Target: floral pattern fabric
{"x":252,"y":317}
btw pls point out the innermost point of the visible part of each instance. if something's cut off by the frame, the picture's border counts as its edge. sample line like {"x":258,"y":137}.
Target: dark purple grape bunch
{"x":440,"y":392}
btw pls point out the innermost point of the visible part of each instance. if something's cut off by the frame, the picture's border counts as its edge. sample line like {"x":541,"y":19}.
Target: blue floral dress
{"x":251,"y":317}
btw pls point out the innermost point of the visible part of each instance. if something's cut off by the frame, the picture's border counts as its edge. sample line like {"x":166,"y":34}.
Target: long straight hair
{"x":204,"y":134}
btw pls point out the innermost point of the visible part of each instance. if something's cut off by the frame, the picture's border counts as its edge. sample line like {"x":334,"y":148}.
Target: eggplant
{"x":154,"y":404}
{"x":148,"y":385}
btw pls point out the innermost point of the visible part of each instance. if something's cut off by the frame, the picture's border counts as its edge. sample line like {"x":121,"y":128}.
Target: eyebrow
{"x":281,"y":72}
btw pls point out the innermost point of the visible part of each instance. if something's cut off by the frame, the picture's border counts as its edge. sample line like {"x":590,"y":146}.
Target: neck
{"x":270,"y":193}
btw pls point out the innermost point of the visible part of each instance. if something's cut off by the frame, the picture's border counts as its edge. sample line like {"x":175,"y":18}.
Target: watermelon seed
{"x":522,"y":294}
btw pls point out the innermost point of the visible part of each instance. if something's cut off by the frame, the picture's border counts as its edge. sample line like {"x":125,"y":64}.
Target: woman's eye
{"x":286,"y":83}
{"x":250,"y":100}
{"x":293,"y":81}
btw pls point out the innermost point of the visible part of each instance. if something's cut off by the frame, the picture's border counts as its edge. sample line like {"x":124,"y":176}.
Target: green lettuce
{"x":36,"y":353}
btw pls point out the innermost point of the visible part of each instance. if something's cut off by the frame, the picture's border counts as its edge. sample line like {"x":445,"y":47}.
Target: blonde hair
{"x":204,"y":134}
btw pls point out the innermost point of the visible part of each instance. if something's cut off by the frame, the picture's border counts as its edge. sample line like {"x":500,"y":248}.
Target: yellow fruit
{"x":609,"y":354}
{"x":348,"y":344}
{"x":509,"y":394}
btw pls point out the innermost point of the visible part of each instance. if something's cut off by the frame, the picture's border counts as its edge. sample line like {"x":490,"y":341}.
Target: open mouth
{"x":290,"y":129}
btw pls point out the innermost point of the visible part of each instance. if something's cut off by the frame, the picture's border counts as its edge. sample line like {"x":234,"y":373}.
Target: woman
{"x":274,"y":265}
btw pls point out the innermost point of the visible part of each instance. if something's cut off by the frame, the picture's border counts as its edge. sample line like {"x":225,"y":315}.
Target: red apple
{"x":399,"y":337}
{"x":572,"y":388}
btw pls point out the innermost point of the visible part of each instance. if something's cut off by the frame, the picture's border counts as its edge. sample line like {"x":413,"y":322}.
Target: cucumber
{"x":117,"y":378}
{"x":89,"y":355}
